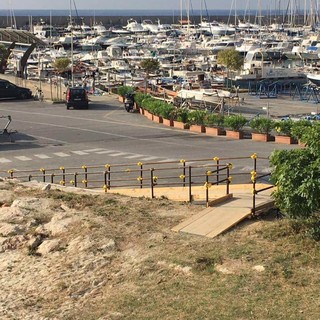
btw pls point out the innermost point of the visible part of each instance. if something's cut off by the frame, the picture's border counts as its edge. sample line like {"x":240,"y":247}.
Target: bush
{"x":283,"y":127}
{"x":299,"y":128}
{"x":235,"y":122}
{"x":262,"y":125}
{"x":139,"y":97}
{"x":123,"y":90}
{"x":181,"y":115}
{"x":166,"y":111}
{"x":197,"y":117}
{"x":214,"y":120}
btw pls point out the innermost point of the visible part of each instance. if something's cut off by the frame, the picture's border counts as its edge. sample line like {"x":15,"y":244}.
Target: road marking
{"x":118,"y":154}
{"x":94,"y":150}
{"x":168,"y":160}
{"x":80,"y":153}
{"x":62,"y":154}
{"x":42,"y":156}
{"x":23,"y":158}
{"x":149,"y":158}
{"x":134,"y":156}
{"x":4,"y":160}
{"x":106,"y":151}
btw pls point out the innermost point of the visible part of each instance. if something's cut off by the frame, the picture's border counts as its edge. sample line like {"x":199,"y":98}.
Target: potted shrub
{"x":138,"y":98}
{"x":261,"y":129}
{"x":196,"y":120}
{"x":299,"y":129}
{"x":166,"y":112}
{"x":123,"y":90}
{"x":214,"y":124}
{"x":235,"y":123}
{"x":180,"y":118}
{"x":283,"y":131}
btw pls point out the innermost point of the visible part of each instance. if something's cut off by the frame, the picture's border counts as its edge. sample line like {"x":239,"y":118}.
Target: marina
{"x":279,"y":52}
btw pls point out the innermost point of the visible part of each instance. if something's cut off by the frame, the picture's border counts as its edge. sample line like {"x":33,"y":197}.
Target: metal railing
{"x":188,"y":174}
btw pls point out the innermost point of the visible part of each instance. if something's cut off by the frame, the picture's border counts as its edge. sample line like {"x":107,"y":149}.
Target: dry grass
{"x":157,"y":274}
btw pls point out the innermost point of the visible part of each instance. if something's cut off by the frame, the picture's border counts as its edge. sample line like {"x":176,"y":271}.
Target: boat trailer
{"x":5,"y":131}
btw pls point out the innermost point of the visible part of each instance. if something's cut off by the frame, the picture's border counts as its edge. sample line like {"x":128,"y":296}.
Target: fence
{"x":183,"y":173}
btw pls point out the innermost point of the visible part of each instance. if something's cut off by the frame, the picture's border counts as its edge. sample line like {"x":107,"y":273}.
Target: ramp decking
{"x":213,"y":221}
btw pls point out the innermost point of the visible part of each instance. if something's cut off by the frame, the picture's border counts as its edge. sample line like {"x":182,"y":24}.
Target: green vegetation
{"x":214,"y":120}
{"x":123,"y":90}
{"x":297,"y":175}
{"x":235,"y":122}
{"x":283,"y":127}
{"x":262,"y":125}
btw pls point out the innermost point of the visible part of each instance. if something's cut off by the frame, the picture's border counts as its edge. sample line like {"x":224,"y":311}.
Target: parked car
{"x":77,"y":97}
{"x":10,"y":90}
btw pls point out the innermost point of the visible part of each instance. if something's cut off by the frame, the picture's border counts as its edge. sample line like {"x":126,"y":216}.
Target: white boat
{"x":134,"y":27}
{"x":257,"y":67}
{"x":314,"y":78}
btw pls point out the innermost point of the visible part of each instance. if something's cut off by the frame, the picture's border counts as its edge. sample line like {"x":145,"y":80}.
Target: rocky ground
{"x":61,"y":252}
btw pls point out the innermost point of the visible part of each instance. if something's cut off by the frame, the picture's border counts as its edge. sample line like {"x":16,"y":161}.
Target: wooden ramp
{"x":213,"y":221}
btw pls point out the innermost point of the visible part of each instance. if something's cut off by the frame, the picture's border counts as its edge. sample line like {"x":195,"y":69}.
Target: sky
{"x":138,"y":4}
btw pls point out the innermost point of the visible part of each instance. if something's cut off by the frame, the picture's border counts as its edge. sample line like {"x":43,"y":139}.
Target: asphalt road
{"x":51,"y":136}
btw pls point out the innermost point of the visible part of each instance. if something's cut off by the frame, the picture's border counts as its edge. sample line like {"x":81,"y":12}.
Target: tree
{"x":296,"y":174}
{"x":149,"y":65}
{"x":61,"y":64}
{"x":231,"y":59}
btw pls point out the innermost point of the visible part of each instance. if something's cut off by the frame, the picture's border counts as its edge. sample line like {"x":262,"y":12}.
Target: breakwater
{"x":121,"y":20}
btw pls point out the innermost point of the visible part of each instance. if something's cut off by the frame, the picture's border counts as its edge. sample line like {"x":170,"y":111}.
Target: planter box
{"x":212,"y":131}
{"x":302,"y":144}
{"x":121,"y":99}
{"x":285,"y":140}
{"x":148,"y":115}
{"x":168,"y":122}
{"x":261,"y":137}
{"x":198,"y":128}
{"x":180,"y":125}
{"x":157,"y":119}
{"x":235,"y":134}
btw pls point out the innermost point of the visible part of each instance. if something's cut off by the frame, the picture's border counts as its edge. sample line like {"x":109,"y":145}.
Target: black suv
{"x":10,"y":90}
{"x":77,"y":97}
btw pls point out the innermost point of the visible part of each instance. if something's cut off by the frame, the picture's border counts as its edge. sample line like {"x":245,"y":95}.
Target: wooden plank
{"x":191,"y":219}
{"x":220,"y":200}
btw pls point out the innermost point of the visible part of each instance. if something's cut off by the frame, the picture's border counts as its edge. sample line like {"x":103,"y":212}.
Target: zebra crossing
{"x":98,"y":151}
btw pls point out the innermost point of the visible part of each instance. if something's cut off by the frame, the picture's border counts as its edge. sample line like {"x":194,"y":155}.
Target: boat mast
{"x":71,"y":30}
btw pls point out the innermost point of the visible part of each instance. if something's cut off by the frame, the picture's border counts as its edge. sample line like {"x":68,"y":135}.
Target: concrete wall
{"x":54,"y":91}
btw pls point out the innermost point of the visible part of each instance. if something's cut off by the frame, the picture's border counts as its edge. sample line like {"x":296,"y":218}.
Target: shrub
{"x":139,"y":97}
{"x":214,"y":120}
{"x":181,"y":114}
{"x":235,"y":122}
{"x":197,"y":117}
{"x":283,"y":127}
{"x":123,"y":90}
{"x":262,"y":125}
{"x":166,"y":111}
{"x":299,"y":128}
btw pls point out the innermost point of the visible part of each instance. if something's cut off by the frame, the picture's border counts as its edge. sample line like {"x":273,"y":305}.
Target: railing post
{"x":229,"y":178}
{"x":43,"y":174}
{"x":85,"y":181}
{"x":108,"y":176}
{"x":52,"y":176}
{"x":190,"y":184}
{"x":63,"y":174}
{"x":151,"y":183}
{"x":75,"y":179}
{"x":207,"y":189}
{"x":217,"y":160}
{"x":183,"y":162}
{"x":254,"y":181}
{"x":140,"y":164}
